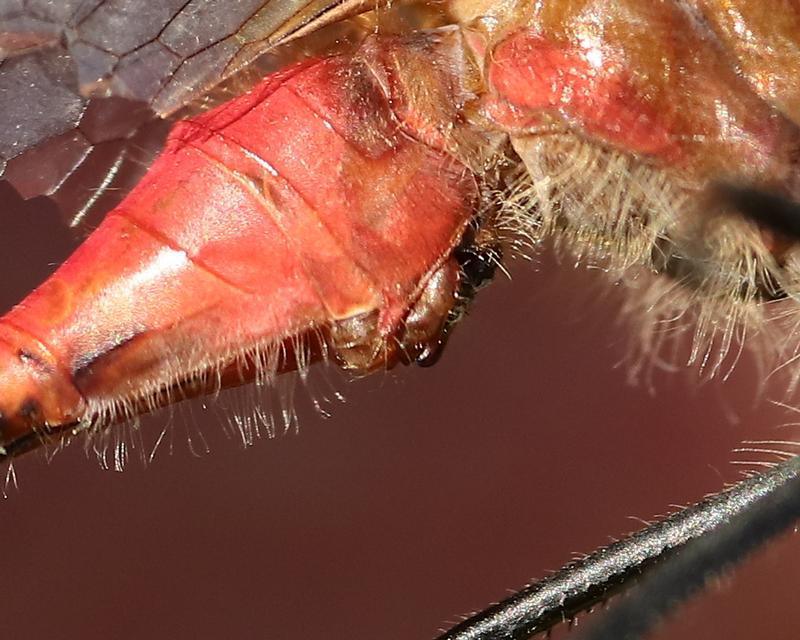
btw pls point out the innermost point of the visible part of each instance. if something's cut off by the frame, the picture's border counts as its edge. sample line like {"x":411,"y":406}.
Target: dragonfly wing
{"x":83,"y":81}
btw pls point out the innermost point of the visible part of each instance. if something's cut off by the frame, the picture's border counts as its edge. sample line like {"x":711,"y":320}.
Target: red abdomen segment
{"x":676,"y":101}
{"x":535,"y":77}
{"x":303,"y":203}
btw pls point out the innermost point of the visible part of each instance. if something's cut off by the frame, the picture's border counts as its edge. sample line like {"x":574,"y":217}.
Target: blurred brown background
{"x":428,"y":494}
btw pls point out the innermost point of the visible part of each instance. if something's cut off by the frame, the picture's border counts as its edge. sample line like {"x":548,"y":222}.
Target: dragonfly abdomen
{"x":307,"y":209}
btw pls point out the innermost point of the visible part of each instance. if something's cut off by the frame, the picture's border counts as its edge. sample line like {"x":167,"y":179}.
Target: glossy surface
{"x":763,"y":37}
{"x":235,"y":243}
{"x":688,"y":96}
{"x":336,"y":188}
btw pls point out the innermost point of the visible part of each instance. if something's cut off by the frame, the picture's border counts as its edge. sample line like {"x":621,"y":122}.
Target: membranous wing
{"x":81,"y":79}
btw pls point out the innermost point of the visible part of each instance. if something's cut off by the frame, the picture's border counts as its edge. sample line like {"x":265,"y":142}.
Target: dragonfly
{"x":650,"y":136}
